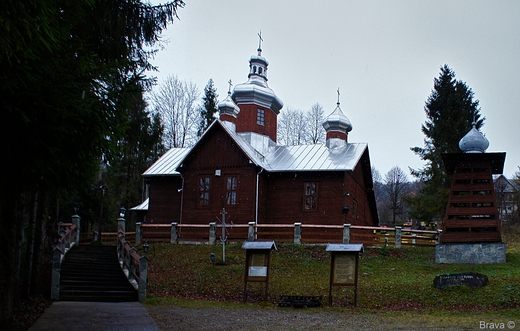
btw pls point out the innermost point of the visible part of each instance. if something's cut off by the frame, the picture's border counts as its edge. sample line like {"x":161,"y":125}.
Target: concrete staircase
{"x":93,"y":273}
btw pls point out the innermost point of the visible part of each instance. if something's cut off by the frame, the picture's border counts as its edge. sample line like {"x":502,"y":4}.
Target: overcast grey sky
{"x":383,"y":56}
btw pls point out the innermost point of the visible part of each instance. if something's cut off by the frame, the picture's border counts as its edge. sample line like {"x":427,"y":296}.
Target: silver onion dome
{"x":228,"y":106}
{"x":474,"y":141}
{"x":337,"y":121}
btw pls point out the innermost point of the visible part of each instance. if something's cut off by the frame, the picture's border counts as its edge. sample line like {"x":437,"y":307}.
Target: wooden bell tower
{"x":472,"y":211}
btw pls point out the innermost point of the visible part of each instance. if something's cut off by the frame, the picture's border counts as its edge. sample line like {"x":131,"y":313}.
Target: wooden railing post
{"x":297,"y":233}
{"x":212,"y":233}
{"x":121,"y":225}
{"x":174,"y":234}
{"x":143,"y":277}
{"x":76,"y":220}
{"x":138,"y":233}
{"x":397,"y":239}
{"x":56,"y":270}
{"x":251,"y":232}
{"x":439,"y":233}
{"x":346,"y":233}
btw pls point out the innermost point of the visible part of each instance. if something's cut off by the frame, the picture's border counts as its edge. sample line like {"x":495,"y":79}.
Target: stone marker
{"x":471,"y":279}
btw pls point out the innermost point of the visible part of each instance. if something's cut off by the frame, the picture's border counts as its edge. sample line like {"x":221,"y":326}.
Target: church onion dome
{"x":228,"y":107}
{"x":337,"y":121}
{"x":474,"y":141}
{"x":255,"y":90}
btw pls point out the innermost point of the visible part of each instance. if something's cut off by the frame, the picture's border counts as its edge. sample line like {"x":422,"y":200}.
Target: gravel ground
{"x":215,"y":319}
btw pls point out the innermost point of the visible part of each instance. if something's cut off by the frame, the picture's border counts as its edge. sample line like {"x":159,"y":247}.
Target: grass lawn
{"x":392,"y":282}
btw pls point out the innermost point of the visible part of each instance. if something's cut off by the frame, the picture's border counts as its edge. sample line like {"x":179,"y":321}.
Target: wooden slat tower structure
{"x":472,"y":210}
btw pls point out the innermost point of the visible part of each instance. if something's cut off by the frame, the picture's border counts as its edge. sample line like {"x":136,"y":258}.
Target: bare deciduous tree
{"x":292,"y":127}
{"x":315,"y":119}
{"x":176,"y":102}
{"x":396,"y":186}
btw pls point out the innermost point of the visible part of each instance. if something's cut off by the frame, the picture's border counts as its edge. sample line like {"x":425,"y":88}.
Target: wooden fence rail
{"x":297,"y":233}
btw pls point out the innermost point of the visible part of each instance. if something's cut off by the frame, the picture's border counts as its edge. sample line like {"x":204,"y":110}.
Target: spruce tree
{"x":450,"y":111}
{"x":65,"y":66}
{"x":209,"y":109}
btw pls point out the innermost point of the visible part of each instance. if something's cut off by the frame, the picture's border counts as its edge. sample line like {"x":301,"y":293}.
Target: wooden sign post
{"x":258,"y":257}
{"x":344,"y":266}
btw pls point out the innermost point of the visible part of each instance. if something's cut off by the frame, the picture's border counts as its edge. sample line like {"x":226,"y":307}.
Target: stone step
{"x":93,"y":273}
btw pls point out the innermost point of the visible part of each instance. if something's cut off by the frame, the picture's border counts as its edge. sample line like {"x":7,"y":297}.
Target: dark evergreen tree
{"x":450,"y":112}
{"x":65,"y":65}
{"x":209,"y":108}
{"x":134,"y":151}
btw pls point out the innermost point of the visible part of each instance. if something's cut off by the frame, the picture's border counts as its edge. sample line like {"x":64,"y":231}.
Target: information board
{"x":344,"y":272}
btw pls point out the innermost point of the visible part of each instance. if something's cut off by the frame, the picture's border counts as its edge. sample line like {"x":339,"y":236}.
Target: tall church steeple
{"x":259,"y":105}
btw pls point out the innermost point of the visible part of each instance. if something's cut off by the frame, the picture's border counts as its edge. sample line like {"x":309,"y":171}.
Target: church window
{"x":204,"y":186}
{"x":260,"y":117}
{"x":310,"y":196}
{"x":354,"y":209}
{"x":231,"y":191}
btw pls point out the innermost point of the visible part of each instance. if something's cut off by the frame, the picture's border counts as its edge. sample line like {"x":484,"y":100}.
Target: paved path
{"x":104,"y":316}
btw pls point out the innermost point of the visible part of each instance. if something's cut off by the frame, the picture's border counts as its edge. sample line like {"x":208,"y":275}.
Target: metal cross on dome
{"x":260,"y":42}
{"x":230,"y":84}
{"x":338,"y":95}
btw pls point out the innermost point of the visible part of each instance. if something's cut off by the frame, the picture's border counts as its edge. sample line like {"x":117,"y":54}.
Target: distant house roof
{"x":276,"y":158}
{"x":511,"y":186}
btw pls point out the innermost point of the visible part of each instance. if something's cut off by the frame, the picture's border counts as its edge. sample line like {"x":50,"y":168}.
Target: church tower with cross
{"x":258,"y":104}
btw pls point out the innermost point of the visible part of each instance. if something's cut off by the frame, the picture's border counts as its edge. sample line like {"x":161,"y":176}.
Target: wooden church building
{"x":238,"y":166}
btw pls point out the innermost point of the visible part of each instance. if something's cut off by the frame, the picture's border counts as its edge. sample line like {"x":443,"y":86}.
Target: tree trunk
{"x":9,"y":266}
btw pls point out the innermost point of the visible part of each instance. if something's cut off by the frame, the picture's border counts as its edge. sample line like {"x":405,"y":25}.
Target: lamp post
{"x":121,"y":221}
{"x":122,"y":212}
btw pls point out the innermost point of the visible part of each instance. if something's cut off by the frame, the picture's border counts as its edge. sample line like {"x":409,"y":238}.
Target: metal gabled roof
{"x":255,"y":156}
{"x":315,"y":158}
{"x":168,"y":163}
{"x":277,"y":159}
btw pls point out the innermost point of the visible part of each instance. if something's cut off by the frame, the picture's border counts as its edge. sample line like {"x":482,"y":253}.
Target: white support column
{"x":138,"y":233}
{"x":346,"y":233}
{"x":251,"y":232}
{"x":121,"y":225}
{"x":174,"y":234}
{"x":56,"y":270}
{"x":143,"y":277}
{"x":212,"y":233}
{"x":76,"y":219}
{"x":397,"y":240}
{"x":297,"y":233}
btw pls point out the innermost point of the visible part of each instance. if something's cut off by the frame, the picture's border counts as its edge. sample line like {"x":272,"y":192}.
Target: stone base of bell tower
{"x":477,"y":253}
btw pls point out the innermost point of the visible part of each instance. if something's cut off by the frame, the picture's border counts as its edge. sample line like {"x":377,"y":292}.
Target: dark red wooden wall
{"x":281,"y":194}
{"x":246,"y":121}
{"x":164,"y":199}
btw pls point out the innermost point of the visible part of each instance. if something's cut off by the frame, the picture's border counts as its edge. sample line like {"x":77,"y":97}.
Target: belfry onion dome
{"x":474,"y":141}
{"x":228,"y":107}
{"x":255,"y":90}
{"x":337,"y":121}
